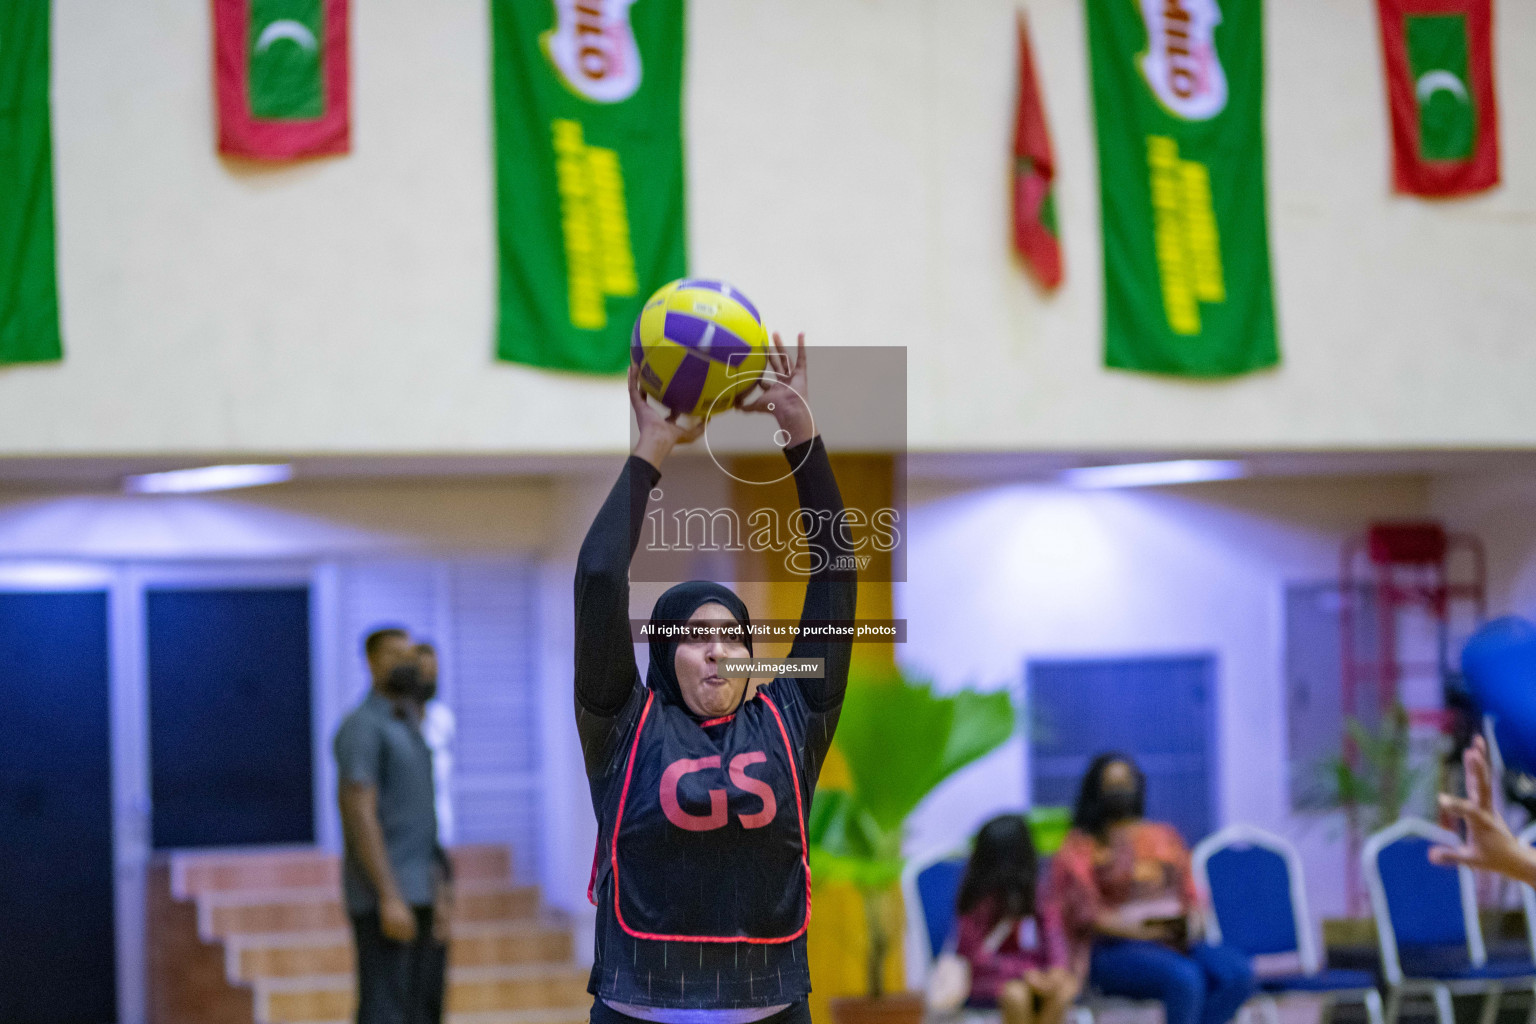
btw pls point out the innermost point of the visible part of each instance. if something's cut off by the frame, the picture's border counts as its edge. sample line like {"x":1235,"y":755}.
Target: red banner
{"x":282,"y":74}
{"x":1445,"y":125}
{"x":1035,"y":234}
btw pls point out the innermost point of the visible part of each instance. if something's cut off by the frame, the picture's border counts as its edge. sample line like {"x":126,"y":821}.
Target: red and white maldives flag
{"x":1035,"y":234}
{"x":281,"y":68}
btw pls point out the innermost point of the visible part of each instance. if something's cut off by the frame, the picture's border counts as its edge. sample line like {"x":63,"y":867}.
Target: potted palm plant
{"x":1380,"y":780}
{"x":900,"y":740}
{"x":1374,"y":782}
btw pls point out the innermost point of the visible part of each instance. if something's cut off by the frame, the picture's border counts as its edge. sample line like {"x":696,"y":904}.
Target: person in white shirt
{"x":438,"y":728}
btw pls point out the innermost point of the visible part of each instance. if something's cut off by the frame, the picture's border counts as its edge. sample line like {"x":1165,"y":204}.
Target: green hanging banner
{"x":1178,"y":92}
{"x":589,"y":173}
{"x":29,"y":296}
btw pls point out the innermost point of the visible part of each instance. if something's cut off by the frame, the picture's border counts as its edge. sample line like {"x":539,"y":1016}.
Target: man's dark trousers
{"x":399,"y":982}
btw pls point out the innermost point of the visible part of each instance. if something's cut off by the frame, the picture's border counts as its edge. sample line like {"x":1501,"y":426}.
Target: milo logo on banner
{"x":1184,"y":72}
{"x":592,"y":47}
{"x":1181,"y":64}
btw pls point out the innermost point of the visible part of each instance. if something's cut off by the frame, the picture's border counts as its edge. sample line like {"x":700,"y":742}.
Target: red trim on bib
{"x":597,"y":854}
{"x":794,"y":774}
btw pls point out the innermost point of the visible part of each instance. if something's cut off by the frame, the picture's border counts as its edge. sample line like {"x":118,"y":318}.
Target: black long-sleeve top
{"x":611,"y":703}
{"x":607,"y":679}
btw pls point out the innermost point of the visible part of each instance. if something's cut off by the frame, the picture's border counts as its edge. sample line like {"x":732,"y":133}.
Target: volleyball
{"x":698,"y":345}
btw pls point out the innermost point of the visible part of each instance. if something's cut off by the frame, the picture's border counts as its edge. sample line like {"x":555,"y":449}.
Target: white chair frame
{"x":1437,"y":991}
{"x":1306,"y":941}
{"x":1528,"y":898}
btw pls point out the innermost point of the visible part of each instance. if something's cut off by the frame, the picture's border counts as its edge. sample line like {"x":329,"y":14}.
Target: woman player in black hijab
{"x":702,"y":785}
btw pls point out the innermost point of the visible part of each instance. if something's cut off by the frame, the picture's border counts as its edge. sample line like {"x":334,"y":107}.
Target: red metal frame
{"x":1404,"y":565}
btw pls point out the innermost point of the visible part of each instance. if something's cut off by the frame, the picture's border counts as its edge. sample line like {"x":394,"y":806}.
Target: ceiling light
{"x":1154,"y":474}
{"x":207,"y":478}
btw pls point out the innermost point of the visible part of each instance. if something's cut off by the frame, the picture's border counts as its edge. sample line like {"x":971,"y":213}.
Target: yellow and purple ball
{"x":698,"y":344}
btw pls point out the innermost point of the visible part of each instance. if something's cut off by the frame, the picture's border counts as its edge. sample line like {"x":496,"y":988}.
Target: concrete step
{"x":195,"y":874}
{"x":221,"y":915}
{"x":310,"y":999}
{"x":475,"y":944}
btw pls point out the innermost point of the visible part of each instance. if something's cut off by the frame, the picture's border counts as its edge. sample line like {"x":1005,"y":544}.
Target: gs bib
{"x":708,"y":841}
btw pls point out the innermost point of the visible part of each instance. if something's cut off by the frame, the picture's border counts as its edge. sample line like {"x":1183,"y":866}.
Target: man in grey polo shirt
{"x":394,"y":873}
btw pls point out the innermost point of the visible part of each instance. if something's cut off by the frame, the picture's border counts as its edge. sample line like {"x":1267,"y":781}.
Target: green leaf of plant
{"x":981,"y":723}
{"x":842,"y":826}
{"x":864,"y":872}
{"x":1383,"y":778}
{"x":900,"y":740}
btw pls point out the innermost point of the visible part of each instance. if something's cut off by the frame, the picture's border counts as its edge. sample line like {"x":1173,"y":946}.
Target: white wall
{"x":1004,"y":574}
{"x":570,"y":834}
{"x":847,"y":165}
{"x":1501,"y":511}
{"x":1000,"y":575}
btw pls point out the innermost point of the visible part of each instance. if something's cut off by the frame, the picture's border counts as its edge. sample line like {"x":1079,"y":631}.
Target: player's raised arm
{"x":832,"y":589}
{"x":605,"y":657}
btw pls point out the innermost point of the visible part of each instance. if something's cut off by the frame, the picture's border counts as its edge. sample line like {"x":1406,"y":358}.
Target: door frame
{"x":41,"y":576}
{"x":142,"y":577}
{"x":128,"y":704}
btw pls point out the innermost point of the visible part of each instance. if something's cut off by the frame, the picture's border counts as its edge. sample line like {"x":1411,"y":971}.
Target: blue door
{"x":229,"y":716}
{"x":57,"y":954}
{"x":1161,"y":711}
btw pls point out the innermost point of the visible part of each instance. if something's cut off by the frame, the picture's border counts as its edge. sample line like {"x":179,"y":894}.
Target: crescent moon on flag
{"x":287,"y":28}
{"x":1432,"y":81}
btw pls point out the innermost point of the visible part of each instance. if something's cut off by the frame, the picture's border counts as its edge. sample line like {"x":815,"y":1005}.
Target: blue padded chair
{"x":1427,"y":925}
{"x":1258,"y":906}
{"x":1528,"y":901}
{"x":934,"y":886}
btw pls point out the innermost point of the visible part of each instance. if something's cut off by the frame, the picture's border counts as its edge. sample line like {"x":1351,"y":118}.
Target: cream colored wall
{"x":847,"y":162}
{"x":1501,"y":512}
{"x":1168,"y":570}
{"x":1001,"y":575}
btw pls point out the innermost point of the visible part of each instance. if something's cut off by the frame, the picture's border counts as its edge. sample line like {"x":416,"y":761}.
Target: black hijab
{"x":676,"y":606}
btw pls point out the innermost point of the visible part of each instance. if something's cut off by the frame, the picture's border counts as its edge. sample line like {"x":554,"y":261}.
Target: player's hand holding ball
{"x":659,"y":433}
{"x":783,"y":394}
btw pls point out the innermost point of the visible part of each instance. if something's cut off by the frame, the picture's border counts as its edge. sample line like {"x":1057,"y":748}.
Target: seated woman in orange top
{"x":1130,"y":906}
